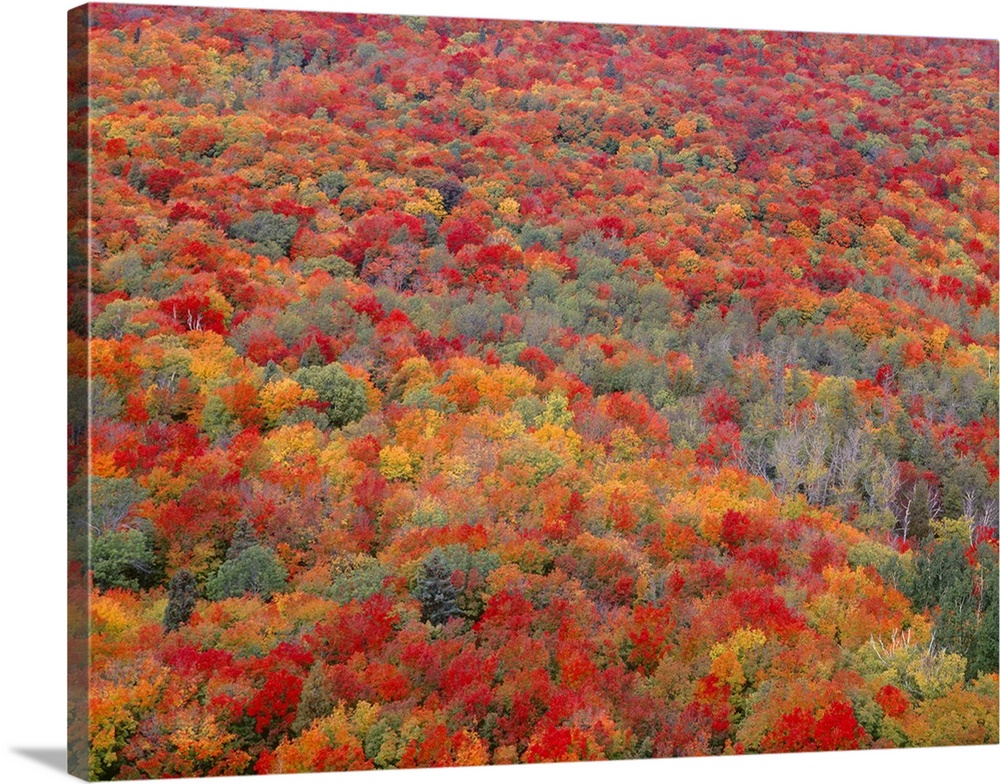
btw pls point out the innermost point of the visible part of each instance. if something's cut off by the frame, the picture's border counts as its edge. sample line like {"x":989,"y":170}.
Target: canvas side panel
{"x":78,"y":228}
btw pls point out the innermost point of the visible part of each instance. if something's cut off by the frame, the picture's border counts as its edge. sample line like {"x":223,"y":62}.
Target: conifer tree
{"x":315,"y":701}
{"x":438,"y":596}
{"x":243,"y":539}
{"x":183,"y":593}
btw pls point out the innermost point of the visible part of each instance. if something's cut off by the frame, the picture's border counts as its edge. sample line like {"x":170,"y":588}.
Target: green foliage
{"x":315,"y":701}
{"x":256,"y":570}
{"x":216,"y":418}
{"x":437,"y":595}
{"x":123,"y":559}
{"x":244,"y":537}
{"x":334,"y":265}
{"x":925,"y":671}
{"x":182,"y":595}
{"x":345,"y":395}
{"x":984,"y":652}
{"x":112,"y":500}
{"x":270,"y":232}
{"x":962,"y":598}
{"x":332,"y":183}
{"x":557,"y":410}
{"x":357,"y":578}
{"x":877,"y":85}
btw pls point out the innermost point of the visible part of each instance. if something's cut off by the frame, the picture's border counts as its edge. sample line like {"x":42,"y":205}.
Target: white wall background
{"x":32,"y":367}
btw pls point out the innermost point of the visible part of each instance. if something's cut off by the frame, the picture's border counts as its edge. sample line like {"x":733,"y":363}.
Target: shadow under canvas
{"x":49,"y":757}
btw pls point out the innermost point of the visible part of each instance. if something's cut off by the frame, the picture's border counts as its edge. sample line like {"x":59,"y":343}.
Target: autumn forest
{"x":464,"y":392}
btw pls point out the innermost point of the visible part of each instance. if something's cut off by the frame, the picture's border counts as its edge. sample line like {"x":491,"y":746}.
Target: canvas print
{"x":472,"y":392}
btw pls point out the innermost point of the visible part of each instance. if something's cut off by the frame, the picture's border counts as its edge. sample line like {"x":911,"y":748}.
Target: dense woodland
{"x":469,"y":392}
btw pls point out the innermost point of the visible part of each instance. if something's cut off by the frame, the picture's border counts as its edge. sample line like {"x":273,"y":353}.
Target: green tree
{"x":182,"y":593}
{"x":332,"y":183}
{"x":312,"y":356}
{"x":243,"y":539}
{"x":270,"y":232}
{"x":123,"y":559}
{"x":345,"y":395}
{"x":315,"y":702}
{"x":962,"y":599}
{"x":437,"y":595}
{"x":256,"y":570}
{"x":918,"y":513}
{"x":984,"y":653}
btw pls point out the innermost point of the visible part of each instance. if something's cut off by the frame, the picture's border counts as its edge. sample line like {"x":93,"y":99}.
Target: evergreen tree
{"x":243,"y":539}
{"x":317,"y":63}
{"x":437,"y":595}
{"x":271,"y":371}
{"x":315,"y":701}
{"x":183,"y":593}
{"x":312,"y":356}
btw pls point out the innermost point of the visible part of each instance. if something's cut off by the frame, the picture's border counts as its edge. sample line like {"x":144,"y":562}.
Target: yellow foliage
{"x":103,"y":464}
{"x":799,"y":229}
{"x":953,"y":528}
{"x":211,"y":358}
{"x":502,"y":385}
{"x":508,"y":207}
{"x":731,"y":210}
{"x":741,"y":641}
{"x":108,"y":615}
{"x":286,"y":443}
{"x":458,"y":469}
{"x":282,"y":395}
{"x":395,"y":463}
{"x":404,"y":185}
{"x":854,"y":607}
{"x":689,"y":260}
{"x":565,"y":443}
{"x":335,"y":461}
{"x":625,"y":443}
{"x":470,"y":749}
{"x":220,"y":304}
{"x":935,"y":342}
{"x":422,"y":207}
{"x":957,"y":717}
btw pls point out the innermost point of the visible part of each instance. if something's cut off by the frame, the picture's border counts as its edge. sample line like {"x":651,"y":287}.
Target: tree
{"x":437,"y":594}
{"x":315,"y":702}
{"x":917,"y":513}
{"x":332,"y":183}
{"x":123,"y":559}
{"x":270,"y":232}
{"x":345,"y":395}
{"x":183,"y":593}
{"x":256,"y":570}
{"x":243,"y":539}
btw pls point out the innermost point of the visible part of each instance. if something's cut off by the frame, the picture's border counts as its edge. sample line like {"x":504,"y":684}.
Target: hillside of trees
{"x":471,"y":392}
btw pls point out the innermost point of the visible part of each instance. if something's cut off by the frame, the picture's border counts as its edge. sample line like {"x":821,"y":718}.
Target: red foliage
{"x":720,"y":407}
{"x":892,"y":700}
{"x":160,"y":182}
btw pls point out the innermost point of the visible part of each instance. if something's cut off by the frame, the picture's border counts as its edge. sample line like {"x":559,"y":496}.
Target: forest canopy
{"x":475,"y":391}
